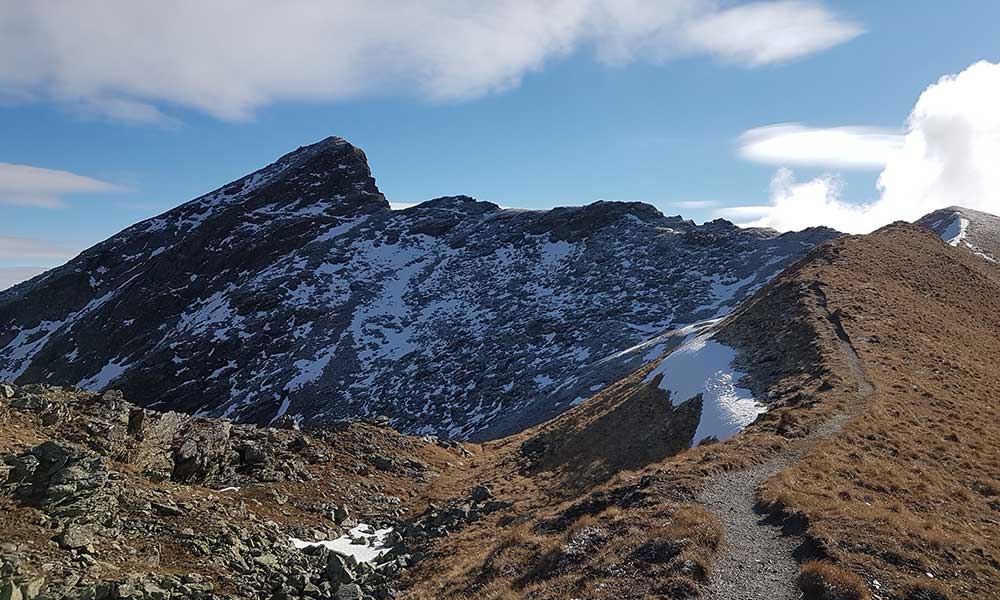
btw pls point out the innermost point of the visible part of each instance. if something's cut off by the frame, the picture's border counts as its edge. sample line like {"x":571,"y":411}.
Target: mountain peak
{"x":332,"y":167}
{"x":330,"y":144}
{"x":966,"y":228}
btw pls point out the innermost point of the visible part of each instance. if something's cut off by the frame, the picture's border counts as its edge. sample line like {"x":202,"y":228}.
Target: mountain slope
{"x":874,"y":354}
{"x":907,"y":494}
{"x":875,"y":469}
{"x":296,"y":291}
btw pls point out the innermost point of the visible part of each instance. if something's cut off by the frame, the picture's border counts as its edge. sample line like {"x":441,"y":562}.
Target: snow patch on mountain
{"x":363,"y":543}
{"x":702,"y":365}
{"x":955,"y":232}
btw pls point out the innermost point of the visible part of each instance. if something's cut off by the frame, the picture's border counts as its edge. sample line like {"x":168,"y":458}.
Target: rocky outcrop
{"x":64,"y":481}
{"x":103,"y":499}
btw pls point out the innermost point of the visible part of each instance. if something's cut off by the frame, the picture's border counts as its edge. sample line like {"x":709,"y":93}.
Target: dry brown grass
{"x":656,"y":550}
{"x":821,"y":580}
{"x":908,"y":490}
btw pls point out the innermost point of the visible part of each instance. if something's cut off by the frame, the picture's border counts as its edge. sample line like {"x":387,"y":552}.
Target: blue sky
{"x":572,"y":129}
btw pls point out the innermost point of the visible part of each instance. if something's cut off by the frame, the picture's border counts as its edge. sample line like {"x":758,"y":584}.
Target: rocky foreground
{"x":102,"y":499}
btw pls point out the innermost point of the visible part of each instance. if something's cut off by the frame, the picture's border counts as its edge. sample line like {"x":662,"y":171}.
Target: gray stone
{"x":481,"y":493}
{"x":350,"y":591}
{"x":268,"y":561}
{"x":75,"y":537}
{"x":338,"y":569}
{"x":9,"y":591}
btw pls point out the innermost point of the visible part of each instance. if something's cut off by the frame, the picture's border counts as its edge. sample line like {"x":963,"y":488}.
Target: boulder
{"x":202,"y":452}
{"x":340,"y":514}
{"x":75,"y":537}
{"x":62,"y":480}
{"x":338,"y":569}
{"x":481,"y":493}
{"x":350,"y":591}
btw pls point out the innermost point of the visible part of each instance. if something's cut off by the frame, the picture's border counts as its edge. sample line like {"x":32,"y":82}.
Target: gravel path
{"x":758,"y":562}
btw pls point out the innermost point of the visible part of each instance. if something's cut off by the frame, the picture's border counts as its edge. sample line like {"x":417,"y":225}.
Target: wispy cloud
{"x":25,"y":250}
{"x":793,"y":144}
{"x":11,"y":276}
{"x":136,"y":59}
{"x":127,"y":110}
{"x":694,"y":204}
{"x":21,"y":258}
{"x":34,"y":186}
{"x":762,"y":33}
{"x":742,"y":213}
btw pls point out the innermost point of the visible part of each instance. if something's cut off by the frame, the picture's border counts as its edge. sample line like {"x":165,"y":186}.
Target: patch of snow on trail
{"x":364,"y":543}
{"x":704,"y":366}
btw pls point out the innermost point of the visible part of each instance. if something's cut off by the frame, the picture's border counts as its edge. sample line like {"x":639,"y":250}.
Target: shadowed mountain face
{"x":297,"y":291}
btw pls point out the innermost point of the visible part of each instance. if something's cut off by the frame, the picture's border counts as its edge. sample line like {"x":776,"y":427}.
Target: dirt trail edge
{"x":759,"y":561}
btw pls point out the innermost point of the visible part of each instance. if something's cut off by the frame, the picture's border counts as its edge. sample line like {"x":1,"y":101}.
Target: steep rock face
{"x":297,"y":292}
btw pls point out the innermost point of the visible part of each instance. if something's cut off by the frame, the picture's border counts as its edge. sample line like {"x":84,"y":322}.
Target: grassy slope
{"x":911,"y":486}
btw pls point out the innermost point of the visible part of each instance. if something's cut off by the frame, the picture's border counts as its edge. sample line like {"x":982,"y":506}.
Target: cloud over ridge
{"x":784,"y":144}
{"x":948,"y":156}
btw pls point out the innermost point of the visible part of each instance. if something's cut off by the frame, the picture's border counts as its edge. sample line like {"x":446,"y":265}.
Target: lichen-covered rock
{"x":63,"y":480}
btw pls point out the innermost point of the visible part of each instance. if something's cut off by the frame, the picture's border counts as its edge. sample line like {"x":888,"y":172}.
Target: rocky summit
{"x":297,"y":292}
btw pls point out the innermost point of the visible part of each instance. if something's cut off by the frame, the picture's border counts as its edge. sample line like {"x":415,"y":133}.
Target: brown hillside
{"x":909,"y":493}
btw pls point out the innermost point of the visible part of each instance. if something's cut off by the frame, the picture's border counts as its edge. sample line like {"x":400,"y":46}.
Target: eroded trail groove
{"x":759,"y":561}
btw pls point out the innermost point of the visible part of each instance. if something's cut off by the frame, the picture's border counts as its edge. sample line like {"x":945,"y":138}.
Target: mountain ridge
{"x":297,"y":290}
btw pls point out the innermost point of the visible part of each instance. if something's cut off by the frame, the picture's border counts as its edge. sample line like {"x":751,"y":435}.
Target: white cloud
{"x":762,"y":33}
{"x":949,"y":156}
{"x":785,"y":144}
{"x":24,"y":250}
{"x":33,"y":186}
{"x":11,"y":276}
{"x":796,"y":205}
{"x":135,"y":59}
{"x":21,"y":258}
{"x":689,"y":204}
